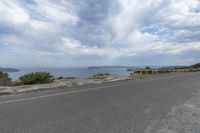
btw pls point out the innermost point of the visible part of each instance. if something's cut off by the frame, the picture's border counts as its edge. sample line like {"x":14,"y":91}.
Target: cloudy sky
{"x":66,"y":33}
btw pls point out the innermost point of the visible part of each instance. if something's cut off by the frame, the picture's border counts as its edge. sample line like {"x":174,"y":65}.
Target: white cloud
{"x":109,"y":29}
{"x":14,"y":13}
{"x":56,"y":13}
{"x":76,"y":48}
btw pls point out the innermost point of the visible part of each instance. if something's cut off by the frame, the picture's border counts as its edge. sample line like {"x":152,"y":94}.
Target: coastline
{"x":4,"y":90}
{"x":82,"y":72}
{"x":68,"y":83}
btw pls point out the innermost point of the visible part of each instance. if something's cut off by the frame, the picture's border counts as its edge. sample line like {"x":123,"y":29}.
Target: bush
{"x":16,"y":83}
{"x":61,"y":77}
{"x":3,"y":75}
{"x":36,"y":78}
{"x":71,"y":78}
{"x":161,"y":71}
{"x":100,"y":76}
{"x":5,"y":80}
{"x":147,"y":67}
{"x":107,"y":74}
{"x":195,"y":65}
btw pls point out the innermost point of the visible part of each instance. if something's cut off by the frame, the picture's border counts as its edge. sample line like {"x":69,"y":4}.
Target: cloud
{"x":109,"y":29}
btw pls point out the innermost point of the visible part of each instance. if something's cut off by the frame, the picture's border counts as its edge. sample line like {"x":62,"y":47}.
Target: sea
{"x":71,"y":72}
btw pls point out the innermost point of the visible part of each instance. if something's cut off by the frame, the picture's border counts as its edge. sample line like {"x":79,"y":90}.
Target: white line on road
{"x":77,"y":91}
{"x":58,"y":94}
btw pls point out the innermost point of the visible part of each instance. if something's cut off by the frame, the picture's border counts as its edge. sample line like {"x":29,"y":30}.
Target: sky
{"x":78,"y":33}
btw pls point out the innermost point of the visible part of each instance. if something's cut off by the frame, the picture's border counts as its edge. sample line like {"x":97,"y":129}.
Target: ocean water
{"x":68,"y":72}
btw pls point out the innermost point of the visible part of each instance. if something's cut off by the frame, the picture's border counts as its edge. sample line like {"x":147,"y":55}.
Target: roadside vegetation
{"x":149,"y":70}
{"x":100,"y":76}
{"x":34,"y":78}
{"x":196,"y":66}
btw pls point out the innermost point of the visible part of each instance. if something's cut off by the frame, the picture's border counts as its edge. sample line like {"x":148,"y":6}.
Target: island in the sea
{"x":128,"y":68}
{"x":9,"y":70}
{"x":103,"y":67}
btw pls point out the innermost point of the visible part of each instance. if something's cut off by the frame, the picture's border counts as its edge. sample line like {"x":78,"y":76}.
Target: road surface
{"x":118,"y":107}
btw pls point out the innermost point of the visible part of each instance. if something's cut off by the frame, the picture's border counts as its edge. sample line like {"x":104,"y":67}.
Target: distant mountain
{"x":8,"y":70}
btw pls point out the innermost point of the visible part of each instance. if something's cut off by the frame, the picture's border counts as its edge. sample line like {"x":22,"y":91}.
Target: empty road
{"x":118,"y":107}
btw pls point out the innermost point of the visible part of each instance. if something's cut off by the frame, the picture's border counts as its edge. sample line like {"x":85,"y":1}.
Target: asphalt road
{"x":118,"y":107}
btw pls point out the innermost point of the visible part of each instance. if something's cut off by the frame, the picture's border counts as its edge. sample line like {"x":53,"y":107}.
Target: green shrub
{"x":16,"y":83}
{"x":36,"y":78}
{"x":161,"y":71}
{"x":5,"y":80}
{"x":4,"y":75}
{"x":61,"y":77}
{"x":147,"y":67}
{"x":71,"y":78}
{"x":100,"y":76}
{"x":195,"y":65}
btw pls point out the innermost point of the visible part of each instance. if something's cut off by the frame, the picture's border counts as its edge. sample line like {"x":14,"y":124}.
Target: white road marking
{"x":58,"y":94}
{"x":78,"y":91}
